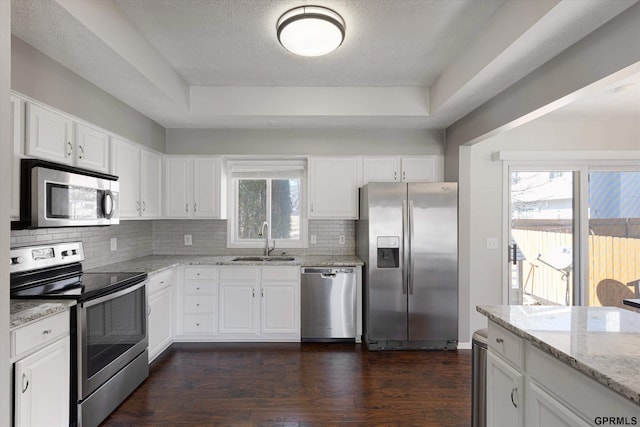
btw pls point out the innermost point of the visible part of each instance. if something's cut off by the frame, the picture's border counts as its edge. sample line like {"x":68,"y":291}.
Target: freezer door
{"x":433,"y":265}
{"x":386,"y":290}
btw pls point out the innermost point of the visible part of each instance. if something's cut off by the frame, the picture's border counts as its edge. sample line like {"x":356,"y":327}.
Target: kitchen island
{"x":563,"y":365}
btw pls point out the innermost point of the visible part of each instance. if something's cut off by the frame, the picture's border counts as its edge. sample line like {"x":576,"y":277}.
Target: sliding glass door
{"x":574,"y":236}
{"x":542,"y":237}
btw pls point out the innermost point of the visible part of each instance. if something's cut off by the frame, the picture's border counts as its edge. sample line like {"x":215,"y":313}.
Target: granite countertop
{"x":157,"y":263}
{"x":26,"y":311}
{"x":601,"y":342}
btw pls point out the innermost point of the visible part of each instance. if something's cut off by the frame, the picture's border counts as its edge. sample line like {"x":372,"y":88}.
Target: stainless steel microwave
{"x":54,"y":195}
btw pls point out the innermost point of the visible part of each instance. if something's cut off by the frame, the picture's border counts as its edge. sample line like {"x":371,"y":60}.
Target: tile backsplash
{"x":166,"y":237}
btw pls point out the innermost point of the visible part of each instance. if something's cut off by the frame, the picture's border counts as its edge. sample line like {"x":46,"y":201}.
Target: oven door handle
{"x":114,"y":295}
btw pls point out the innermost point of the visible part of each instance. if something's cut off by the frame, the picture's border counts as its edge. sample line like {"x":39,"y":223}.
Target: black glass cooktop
{"x":81,"y":287}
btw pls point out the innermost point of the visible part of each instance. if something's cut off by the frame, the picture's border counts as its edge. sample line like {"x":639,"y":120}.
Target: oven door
{"x":112,"y":331}
{"x":62,"y":198}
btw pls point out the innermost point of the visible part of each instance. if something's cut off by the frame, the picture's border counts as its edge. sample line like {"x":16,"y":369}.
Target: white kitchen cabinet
{"x":160,"y":299}
{"x":192,"y":187}
{"x":333,"y":187}
{"x":197,"y":304}
{"x":504,"y":390}
{"x":40,"y":352}
{"x":91,"y":148}
{"x":17,"y":139}
{"x":140,"y":176}
{"x":544,"y":410}
{"x":239,"y":312}
{"x":280,"y":300}
{"x":402,"y":169}
{"x":50,"y":136}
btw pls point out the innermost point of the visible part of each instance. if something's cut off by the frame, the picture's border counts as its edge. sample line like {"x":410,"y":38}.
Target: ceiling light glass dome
{"x":311,"y":30}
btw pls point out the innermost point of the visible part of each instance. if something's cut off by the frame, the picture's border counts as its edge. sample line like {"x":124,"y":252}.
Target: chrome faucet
{"x":264,"y":232}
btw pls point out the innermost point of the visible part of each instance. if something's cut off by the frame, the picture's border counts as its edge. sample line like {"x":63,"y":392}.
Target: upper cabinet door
{"x":206,"y":187}
{"x":49,"y":135}
{"x":178,"y":187}
{"x":151,"y":184}
{"x":333,"y":184}
{"x":92,"y":148}
{"x":423,"y":169}
{"x":380,"y":169}
{"x":125,"y":164}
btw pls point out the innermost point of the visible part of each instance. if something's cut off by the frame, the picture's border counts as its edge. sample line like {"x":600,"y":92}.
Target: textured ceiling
{"x":169,"y":59}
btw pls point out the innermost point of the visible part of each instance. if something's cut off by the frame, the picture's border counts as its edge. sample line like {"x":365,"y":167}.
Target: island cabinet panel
{"x":528,"y":386}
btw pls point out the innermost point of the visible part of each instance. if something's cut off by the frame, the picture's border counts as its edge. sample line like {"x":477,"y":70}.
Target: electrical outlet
{"x":314,"y":239}
{"x":114,"y":243}
{"x":187,"y":240}
{"x":492,"y":243}
{"x":341,"y":240}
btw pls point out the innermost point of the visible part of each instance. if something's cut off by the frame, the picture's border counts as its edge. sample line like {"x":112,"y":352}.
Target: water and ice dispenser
{"x":388,"y":251}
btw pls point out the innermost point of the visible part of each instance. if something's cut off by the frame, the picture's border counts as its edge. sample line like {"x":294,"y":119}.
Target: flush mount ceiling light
{"x":311,"y":30}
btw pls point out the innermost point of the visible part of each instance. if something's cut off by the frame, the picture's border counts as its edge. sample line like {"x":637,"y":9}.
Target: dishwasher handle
{"x":328,"y":272}
{"x":328,"y":275}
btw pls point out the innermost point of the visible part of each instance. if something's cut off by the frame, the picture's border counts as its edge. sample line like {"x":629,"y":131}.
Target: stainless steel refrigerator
{"x":407,"y":236}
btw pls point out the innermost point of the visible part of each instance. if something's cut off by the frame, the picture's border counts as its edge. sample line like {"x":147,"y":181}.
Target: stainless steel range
{"x":108,"y":324}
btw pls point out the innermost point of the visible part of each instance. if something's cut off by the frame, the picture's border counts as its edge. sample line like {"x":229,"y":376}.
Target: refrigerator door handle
{"x":410,"y":234}
{"x":405,"y":249}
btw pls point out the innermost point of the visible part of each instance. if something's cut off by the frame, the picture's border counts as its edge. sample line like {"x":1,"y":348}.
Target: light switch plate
{"x":314,"y":239}
{"x":341,"y":240}
{"x":187,"y":240}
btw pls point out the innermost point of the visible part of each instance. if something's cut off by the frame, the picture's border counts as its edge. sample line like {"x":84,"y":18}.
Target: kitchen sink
{"x":263,"y":258}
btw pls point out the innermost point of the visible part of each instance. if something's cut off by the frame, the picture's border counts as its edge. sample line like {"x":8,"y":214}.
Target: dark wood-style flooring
{"x":294,"y":384}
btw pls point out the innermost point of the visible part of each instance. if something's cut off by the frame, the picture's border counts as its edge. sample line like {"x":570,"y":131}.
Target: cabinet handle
{"x":404,"y":176}
{"x":197,"y":305}
{"x":80,"y":152}
{"x":253,"y":293}
{"x":70,"y":150}
{"x":195,"y":207}
{"x":395,"y":175}
{"x":197,"y":289}
{"x":186,"y":207}
{"x":25,"y":382}
{"x":46,"y":332}
{"x":513,"y":401}
{"x":311,"y":207}
{"x":148,"y":310}
{"x":138,"y":206}
{"x":499,"y":340}
{"x":262,"y":292}
{"x":144,"y":206}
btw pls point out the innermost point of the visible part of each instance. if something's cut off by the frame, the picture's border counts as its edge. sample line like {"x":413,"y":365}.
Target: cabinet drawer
{"x":197,"y":304}
{"x":199,"y":288}
{"x":200,"y":273}
{"x":508,"y":345}
{"x":199,"y":323}
{"x":160,"y":281}
{"x":288,"y":274}
{"x":40,"y":333}
{"x":239,"y":273}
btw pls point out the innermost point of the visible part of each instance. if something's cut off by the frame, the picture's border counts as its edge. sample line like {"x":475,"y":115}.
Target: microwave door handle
{"x":108,"y":204}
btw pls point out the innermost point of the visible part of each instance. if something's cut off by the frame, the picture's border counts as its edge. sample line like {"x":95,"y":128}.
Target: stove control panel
{"x":36,"y":257}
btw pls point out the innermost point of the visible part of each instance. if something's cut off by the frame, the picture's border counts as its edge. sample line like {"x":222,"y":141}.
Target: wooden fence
{"x":614,"y":267}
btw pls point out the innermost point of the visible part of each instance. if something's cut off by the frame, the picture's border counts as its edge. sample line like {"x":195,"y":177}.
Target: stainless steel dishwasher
{"x":328,"y":304}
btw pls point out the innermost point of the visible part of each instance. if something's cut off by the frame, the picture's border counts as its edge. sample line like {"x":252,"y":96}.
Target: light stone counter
{"x":601,"y":342}
{"x":157,"y":263}
{"x":25,"y":311}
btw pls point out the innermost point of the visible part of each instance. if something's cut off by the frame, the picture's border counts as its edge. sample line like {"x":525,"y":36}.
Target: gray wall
{"x":40,"y":77}
{"x":302,"y":142}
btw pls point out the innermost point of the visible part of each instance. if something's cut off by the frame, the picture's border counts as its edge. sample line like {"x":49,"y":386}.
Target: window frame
{"x":268,"y":170}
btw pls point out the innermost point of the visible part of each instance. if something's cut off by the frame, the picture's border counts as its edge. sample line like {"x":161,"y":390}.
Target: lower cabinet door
{"x":505,"y":403}
{"x":41,"y":387}
{"x":238,"y":308}
{"x":279,"y":308}
{"x":544,"y":410}
{"x":160,"y":322}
